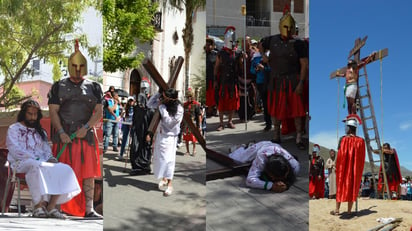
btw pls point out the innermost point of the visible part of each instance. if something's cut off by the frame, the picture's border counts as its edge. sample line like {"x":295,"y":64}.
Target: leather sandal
{"x":231,"y":125}
{"x":168,"y":191}
{"x":162,"y":184}
{"x":220,"y":128}
{"x":334,"y":212}
{"x":93,"y":214}
{"x":54,"y":213}
{"x":40,"y":212}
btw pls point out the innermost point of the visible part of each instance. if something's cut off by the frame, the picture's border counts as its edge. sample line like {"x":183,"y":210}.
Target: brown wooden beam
{"x":372,"y":57}
{"x":358,"y":45}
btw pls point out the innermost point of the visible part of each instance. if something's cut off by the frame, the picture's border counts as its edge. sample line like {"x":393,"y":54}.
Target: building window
{"x":157,"y":21}
{"x":279,"y":5}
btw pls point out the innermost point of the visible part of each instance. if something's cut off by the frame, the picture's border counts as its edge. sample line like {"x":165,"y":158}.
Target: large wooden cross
{"x":151,"y":69}
{"x":355,"y":52}
{"x":157,"y":78}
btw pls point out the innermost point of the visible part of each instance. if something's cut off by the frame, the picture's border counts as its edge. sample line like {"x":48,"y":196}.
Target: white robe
{"x":164,"y":152}
{"x":28,"y":154}
{"x":259,"y":153}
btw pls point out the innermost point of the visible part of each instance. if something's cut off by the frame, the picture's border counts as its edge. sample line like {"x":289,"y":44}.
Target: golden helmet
{"x":77,"y":63}
{"x":287,"y":24}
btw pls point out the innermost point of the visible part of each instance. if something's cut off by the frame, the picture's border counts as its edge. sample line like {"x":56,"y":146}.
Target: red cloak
{"x":395,"y":176}
{"x":349,"y":168}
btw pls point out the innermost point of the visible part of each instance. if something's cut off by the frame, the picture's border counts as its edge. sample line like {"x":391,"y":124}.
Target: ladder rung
{"x":363,"y":96}
{"x":376,"y":151}
{"x":372,"y":128}
{"x":366,"y":107}
{"x":362,"y":86}
{"x":377,"y":161}
{"x":367,"y":118}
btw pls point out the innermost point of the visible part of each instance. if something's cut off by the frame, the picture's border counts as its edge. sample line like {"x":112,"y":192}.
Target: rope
{"x":337,"y":121}
{"x":380,"y":57}
{"x":72,"y":136}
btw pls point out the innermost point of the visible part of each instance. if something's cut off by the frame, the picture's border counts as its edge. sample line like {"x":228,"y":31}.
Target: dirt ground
{"x":369,"y":210}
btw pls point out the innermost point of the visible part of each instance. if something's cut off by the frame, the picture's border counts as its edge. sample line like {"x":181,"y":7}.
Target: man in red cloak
{"x":316,"y":174}
{"x":392,"y":169}
{"x":349,"y":166}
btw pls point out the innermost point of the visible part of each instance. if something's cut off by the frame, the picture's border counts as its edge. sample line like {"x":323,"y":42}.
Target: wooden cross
{"x":157,"y":78}
{"x":151,"y":69}
{"x":355,"y":52}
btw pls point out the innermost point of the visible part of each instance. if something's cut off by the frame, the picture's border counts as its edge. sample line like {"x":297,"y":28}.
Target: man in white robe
{"x":164,"y":153}
{"x":261,"y":175}
{"x":50,"y":183}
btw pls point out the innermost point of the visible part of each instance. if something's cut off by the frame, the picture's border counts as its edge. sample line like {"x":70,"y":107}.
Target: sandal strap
{"x":55,"y":213}
{"x":40,"y":212}
{"x":168,"y":191}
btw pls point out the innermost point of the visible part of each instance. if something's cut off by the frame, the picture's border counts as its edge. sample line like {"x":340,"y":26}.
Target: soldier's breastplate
{"x":210,"y":64}
{"x":283,"y":57}
{"x":77,"y":103}
{"x":227,"y":69}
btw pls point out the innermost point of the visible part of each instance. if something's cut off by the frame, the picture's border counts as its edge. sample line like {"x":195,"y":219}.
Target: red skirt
{"x":317,"y":187}
{"x":349,"y":168}
{"x":84,"y":166}
{"x":285,"y":103}
{"x":228,"y":103}
{"x":210,"y":94}
{"x":188,"y":135}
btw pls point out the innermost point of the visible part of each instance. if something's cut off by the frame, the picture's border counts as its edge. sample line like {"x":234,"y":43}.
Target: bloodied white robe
{"x":28,"y":153}
{"x":259,"y":153}
{"x":164,"y":152}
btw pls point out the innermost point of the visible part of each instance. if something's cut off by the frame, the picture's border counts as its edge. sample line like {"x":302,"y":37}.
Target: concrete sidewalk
{"x":11,"y":221}
{"x":233,"y":206}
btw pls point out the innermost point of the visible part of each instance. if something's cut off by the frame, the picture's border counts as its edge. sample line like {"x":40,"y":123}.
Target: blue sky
{"x":334,"y":26}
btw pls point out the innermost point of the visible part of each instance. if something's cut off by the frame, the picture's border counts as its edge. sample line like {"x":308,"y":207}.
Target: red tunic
{"x":210,"y":94}
{"x":349,"y":168}
{"x":228,"y":103}
{"x":316,"y":185}
{"x":89,"y":167}
{"x":192,"y":108}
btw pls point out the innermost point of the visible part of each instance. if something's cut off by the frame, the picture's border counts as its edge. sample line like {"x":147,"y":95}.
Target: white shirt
{"x":25,"y":143}
{"x":169,"y":125}
{"x":259,"y":153}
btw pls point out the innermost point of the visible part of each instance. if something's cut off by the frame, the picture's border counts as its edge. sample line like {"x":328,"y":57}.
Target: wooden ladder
{"x":370,"y":130}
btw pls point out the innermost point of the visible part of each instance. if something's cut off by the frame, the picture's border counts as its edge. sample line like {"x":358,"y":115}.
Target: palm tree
{"x":191,"y":7}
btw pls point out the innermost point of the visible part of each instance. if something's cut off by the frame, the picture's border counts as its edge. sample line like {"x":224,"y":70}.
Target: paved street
{"x":135,"y":202}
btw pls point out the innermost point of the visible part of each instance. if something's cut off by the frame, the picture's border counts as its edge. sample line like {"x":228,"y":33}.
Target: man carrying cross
{"x":164,"y":158}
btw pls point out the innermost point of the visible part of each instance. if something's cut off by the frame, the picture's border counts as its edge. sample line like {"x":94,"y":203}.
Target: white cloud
{"x":326,"y":139}
{"x":405,"y":125}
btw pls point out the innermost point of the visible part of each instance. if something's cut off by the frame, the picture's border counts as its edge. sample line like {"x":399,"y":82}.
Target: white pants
{"x":45,"y":179}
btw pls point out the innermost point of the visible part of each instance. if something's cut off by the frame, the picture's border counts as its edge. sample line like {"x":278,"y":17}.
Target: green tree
{"x":191,"y":7}
{"x":57,"y":73}
{"x":36,"y":29}
{"x":14,"y":96}
{"x":125,"y":23}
